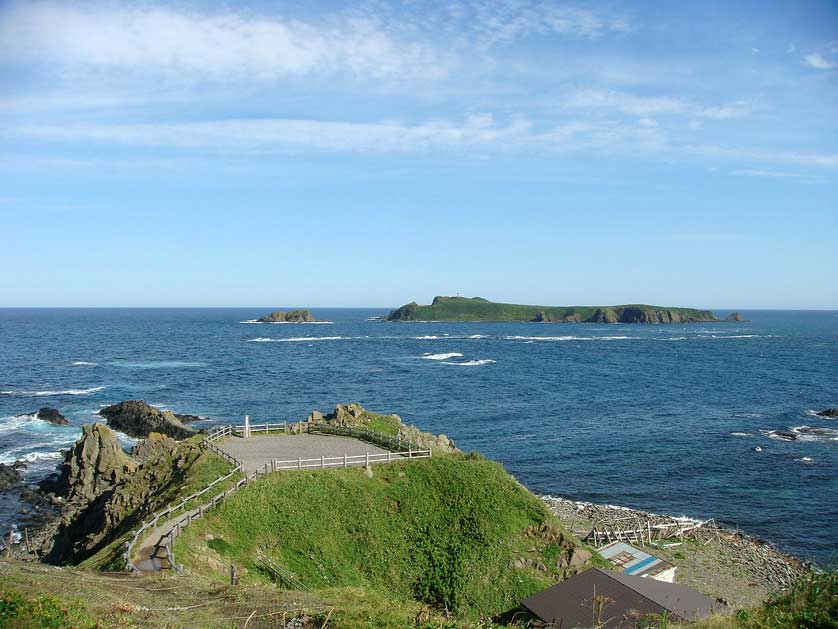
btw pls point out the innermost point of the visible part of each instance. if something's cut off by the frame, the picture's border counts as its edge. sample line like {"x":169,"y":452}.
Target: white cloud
{"x":627,"y":103}
{"x":777,"y":174}
{"x":218,"y":46}
{"x":817,"y":60}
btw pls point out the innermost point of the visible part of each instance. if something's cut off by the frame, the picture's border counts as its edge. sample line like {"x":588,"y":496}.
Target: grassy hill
{"x":450,"y":534}
{"x":478,"y":309}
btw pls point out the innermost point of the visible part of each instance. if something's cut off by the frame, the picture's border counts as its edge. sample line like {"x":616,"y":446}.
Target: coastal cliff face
{"x":294,"y":316}
{"x":478,"y":309}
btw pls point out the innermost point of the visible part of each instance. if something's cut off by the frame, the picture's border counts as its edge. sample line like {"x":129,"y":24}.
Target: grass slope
{"x":443,"y":532}
{"x":478,"y":309}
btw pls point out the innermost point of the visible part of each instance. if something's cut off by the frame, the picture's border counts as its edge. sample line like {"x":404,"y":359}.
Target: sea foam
{"x":441,"y":356}
{"x":470,"y":363}
{"x":49,"y":393}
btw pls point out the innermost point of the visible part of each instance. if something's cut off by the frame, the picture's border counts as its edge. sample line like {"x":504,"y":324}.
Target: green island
{"x":479,"y":309}
{"x":447,"y":541}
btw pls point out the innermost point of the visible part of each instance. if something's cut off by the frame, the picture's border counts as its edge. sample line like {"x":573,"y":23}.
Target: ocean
{"x":666,"y":418}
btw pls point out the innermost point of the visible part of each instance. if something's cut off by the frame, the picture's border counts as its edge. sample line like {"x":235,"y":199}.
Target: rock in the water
{"x":52,"y":416}
{"x":138,"y":419}
{"x":734,"y":317}
{"x":294,"y":316}
{"x":828,"y":412}
{"x":9,"y":475}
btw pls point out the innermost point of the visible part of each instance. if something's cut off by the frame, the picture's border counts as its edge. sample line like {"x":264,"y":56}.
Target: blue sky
{"x":374,"y":153}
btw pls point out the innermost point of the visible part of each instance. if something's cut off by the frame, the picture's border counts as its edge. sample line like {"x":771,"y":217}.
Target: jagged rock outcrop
{"x":294,"y":316}
{"x":104,"y":492}
{"x":548,"y":316}
{"x":734,"y":317}
{"x":52,"y":416}
{"x":354,"y":415}
{"x":828,"y":412}
{"x":94,"y":464}
{"x":604,"y":315}
{"x":139,"y":419}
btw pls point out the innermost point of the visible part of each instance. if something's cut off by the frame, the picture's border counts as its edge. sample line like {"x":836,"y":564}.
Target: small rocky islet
{"x":292,"y":316}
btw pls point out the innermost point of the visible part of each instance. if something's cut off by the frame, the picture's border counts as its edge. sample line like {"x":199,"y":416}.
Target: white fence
{"x":348,"y":460}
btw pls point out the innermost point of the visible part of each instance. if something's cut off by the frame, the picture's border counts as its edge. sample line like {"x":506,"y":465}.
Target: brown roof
{"x":613,"y":600}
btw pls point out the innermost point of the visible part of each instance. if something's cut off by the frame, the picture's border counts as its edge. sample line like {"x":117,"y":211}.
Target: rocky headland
{"x":139,"y":419}
{"x":293,"y":316}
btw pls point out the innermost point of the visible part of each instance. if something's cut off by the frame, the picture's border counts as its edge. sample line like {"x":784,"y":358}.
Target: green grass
{"x":19,"y":609}
{"x":440,"y":533}
{"x":477,"y":309}
{"x":385,"y":424}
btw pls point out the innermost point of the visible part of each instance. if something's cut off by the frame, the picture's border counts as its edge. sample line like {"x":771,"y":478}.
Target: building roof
{"x":613,"y":600}
{"x":634,"y":561}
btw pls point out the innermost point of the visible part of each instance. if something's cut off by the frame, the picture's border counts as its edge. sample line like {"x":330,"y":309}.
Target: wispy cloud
{"x":817,"y":60}
{"x":824,"y":58}
{"x":218,"y":46}
{"x":774,"y":174}
{"x":627,"y":103}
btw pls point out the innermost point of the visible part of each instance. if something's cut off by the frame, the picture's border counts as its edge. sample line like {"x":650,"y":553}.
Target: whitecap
{"x":425,"y":338}
{"x":477,"y":336}
{"x":470,"y":363}
{"x":297,"y":339}
{"x":33,"y":457}
{"x":83,"y":363}
{"x":803,"y":433}
{"x":156,"y":364}
{"x":544,"y":338}
{"x":805,"y":459}
{"x":250,"y":321}
{"x":742,"y":434}
{"x":16,"y":422}
{"x":441,"y":356}
{"x":50,"y":393}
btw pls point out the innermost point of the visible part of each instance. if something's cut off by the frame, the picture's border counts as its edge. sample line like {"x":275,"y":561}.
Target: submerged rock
{"x":139,"y":419}
{"x":9,"y":476}
{"x":828,"y":412}
{"x":294,"y":316}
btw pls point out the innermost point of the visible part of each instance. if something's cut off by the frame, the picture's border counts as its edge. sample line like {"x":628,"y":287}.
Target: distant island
{"x":479,"y":309}
{"x":294,"y":316}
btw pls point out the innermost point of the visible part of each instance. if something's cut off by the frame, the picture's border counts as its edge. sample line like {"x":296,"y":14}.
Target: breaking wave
{"x":470,"y":363}
{"x":155,"y":364}
{"x":426,"y":338}
{"x":50,"y":393}
{"x":803,"y":433}
{"x":297,"y":339}
{"x":83,"y":363}
{"x":742,"y":434}
{"x":441,"y":356}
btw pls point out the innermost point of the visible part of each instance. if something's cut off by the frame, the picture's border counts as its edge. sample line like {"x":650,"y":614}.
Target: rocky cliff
{"x":139,"y":419}
{"x":294,"y":316}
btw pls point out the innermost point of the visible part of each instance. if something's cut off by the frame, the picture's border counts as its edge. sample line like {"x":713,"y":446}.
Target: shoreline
{"x":739,"y":569}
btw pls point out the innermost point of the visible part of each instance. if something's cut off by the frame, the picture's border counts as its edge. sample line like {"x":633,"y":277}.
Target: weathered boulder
{"x":828,"y":412}
{"x":52,"y":416}
{"x":138,"y":419}
{"x":294,"y":316}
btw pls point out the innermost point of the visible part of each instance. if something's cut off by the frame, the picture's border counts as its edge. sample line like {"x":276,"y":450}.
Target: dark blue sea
{"x":665,"y":418}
